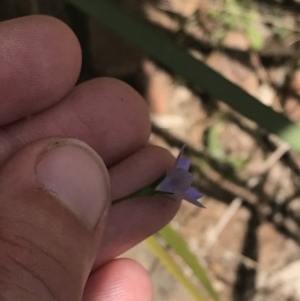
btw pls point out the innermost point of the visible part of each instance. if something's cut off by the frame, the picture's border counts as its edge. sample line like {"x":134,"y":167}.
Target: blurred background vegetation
{"x":240,"y":123}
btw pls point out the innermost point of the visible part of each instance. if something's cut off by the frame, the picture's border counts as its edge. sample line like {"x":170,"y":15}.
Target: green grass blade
{"x":175,"y":240}
{"x":173,"y":268}
{"x":164,"y":50}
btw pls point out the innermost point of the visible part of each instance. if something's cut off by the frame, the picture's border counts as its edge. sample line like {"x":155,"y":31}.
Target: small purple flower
{"x":178,"y":182}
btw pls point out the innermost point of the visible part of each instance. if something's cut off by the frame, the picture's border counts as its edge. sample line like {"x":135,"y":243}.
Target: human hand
{"x":56,"y":222}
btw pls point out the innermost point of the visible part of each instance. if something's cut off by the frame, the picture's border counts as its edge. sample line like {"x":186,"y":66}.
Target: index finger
{"x":40,"y":61}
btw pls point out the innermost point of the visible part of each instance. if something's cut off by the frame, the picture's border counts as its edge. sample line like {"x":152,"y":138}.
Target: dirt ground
{"x":245,"y":238}
{"x":248,"y":237}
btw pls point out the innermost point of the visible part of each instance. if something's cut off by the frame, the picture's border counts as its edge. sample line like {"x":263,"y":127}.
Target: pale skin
{"x":40,"y":61}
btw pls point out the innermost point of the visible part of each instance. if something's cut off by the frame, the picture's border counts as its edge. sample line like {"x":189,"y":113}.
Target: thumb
{"x":54,"y":199}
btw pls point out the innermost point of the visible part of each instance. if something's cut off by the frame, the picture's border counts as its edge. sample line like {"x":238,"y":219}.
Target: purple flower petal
{"x":178,"y":182}
{"x":176,"y":179}
{"x":179,"y":156}
{"x":183,"y":163}
{"x":166,"y":185}
{"x":191,"y":195}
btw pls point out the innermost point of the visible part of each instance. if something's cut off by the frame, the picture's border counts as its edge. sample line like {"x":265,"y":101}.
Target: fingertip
{"x":45,"y":32}
{"x":105,"y":109}
{"x":123,"y":94}
{"x":40,"y":62}
{"x":139,"y":170}
{"x":121,"y":279}
{"x":132,"y":221}
{"x":164,"y":156}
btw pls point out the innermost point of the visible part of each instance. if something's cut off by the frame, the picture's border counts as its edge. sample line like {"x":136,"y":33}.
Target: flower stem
{"x":146,"y":191}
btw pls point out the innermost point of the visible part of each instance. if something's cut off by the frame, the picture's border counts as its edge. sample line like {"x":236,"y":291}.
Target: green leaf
{"x":213,"y":143}
{"x":256,"y":39}
{"x":238,"y":163}
{"x":173,"y":268}
{"x":178,"y":244}
{"x":180,"y":62}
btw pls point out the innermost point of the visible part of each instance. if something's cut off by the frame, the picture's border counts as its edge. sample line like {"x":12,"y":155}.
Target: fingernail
{"x":74,"y":173}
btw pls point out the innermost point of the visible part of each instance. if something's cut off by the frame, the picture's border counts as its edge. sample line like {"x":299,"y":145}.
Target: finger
{"x":105,"y":113}
{"x":139,"y":170}
{"x":40,"y":61}
{"x":54,"y":197}
{"x":120,"y":279}
{"x":133,"y":220}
